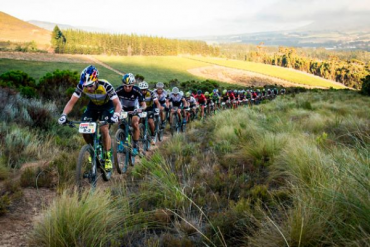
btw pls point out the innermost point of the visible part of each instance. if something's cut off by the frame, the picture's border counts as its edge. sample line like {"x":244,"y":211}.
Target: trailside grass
{"x":38,"y":69}
{"x":155,"y":68}
{"x":270,"y":70}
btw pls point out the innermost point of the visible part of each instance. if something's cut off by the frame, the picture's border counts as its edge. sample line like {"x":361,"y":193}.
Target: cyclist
{"x":177,"y":101}
{"x":215,"y":97}
{"x":232,"y":98}
{"x":202,"y":101}
{"x":152,"y":105}
{"x":276,"y":92}
{"x":131,"y":98}
{"x":162,"y":97}
{"x":225,"y":98}
{"x":192,"y":103}
{"x":241,"y":96}
{"x":104,"y":105}
{"x":282,"y":91}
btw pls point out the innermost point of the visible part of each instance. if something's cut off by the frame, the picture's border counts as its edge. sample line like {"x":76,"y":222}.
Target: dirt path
{"x":93,"y":59}
{"x":241,"y":77}
{"x":17,"y":223}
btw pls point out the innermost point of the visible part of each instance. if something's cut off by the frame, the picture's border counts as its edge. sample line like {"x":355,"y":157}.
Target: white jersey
{"x":162,"y":97}
{"x":191,"y":100}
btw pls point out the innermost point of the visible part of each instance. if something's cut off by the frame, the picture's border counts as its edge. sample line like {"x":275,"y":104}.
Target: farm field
{"x":155,"y":68}
{"x":274,"y":71}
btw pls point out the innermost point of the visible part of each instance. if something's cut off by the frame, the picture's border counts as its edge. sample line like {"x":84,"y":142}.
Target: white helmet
{"x":181,"y":93}
{"x":160,"y":85}
{"x":175,"y":90}
{"x":143,"y":85}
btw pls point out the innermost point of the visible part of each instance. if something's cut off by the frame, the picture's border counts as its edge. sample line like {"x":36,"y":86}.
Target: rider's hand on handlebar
{"x":115,"y":117}
{"x":62,"y":119}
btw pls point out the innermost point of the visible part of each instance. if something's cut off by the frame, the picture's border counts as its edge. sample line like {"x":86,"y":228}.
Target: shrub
{"x":365,"y":89}
{"x":18,"y":79}
{"x":88,"y":219}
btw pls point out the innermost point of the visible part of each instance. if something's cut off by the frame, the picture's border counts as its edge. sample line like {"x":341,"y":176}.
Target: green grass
{"x":275,"y":71}
{"x":38,"y":69}
{"x":155,"y":68}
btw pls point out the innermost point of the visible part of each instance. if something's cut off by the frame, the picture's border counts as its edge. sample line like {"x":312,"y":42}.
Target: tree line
{"x":82,"y":42}
{"x":342,"y":67}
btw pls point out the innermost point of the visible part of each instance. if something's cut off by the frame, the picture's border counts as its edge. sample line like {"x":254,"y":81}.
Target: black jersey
{"x":129,"y":100}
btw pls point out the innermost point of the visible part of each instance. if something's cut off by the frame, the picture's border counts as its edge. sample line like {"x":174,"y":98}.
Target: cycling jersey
{"x":215,"y":96}
{"x":102,"y":94}
{"x":129,"y":100}
{"x":176,"y":99}
{"x":200,"y":98}
{"x":161,"y":97}
{"x":149,"y":98}
{"x":191,"y":100}
{"x":231,"y":95}
{"x":225,"y":98}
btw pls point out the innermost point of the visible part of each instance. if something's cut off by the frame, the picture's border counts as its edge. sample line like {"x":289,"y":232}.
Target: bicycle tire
{"x":86,"y":167}
{"x":120,"y":152}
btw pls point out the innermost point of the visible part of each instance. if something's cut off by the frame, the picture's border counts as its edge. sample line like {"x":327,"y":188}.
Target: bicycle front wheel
{"x":86,"y":168}
{"x":120,"y":151}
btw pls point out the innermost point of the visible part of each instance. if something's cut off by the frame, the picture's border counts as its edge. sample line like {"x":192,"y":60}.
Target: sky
{"x":187,"y":18}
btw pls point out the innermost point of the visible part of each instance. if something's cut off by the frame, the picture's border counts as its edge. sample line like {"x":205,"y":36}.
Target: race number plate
{"x":123,"y":115}
{"x":143,"y":115}
{"x":223,"y":103}
{"x":87,"y":128}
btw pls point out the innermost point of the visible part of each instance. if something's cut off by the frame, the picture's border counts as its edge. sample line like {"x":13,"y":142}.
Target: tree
{"x":365,"y":90}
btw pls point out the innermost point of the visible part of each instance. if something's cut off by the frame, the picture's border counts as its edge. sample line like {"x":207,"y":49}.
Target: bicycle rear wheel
{"x":121,"y":152}
{"x":86,"y":168}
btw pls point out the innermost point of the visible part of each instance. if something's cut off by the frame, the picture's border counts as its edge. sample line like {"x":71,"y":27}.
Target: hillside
{"x":16,"y":30}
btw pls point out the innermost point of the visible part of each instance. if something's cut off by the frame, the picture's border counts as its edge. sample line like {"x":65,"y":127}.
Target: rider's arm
{"x":156,"y":102}
{"x":184,"y":102}
{"x":69,"y":106}
{"x":117,"y":105}
{"x":143,"y":105}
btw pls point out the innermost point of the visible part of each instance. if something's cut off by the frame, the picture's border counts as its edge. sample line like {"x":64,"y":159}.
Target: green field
{"x":162,"y":68}
{"x":278,"y":72}
{"x":38,"y":69}
{"x":155,"y":68}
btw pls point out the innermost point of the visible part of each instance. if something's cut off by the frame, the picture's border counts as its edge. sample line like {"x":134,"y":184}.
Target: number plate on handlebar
{"x":87,"y":128}
{"x":143,"y":114}
{"x":124,"y":115}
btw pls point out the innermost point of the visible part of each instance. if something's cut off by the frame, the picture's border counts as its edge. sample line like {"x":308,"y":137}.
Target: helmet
{"x":181,"y":93}
{"x":160,"y":85}
{"x":224,"y":92}
{"x":199,"y":91}
{"x":263,"y":90}
{"x":175,"y":90}
{"x":143,"y":85}
{"x":258,"y":90}
{"x":187,"y":94}
{"x":235,"y":91}
{"x":206,"y":94}
{"x":128,"y":79}
{"x":89,"y":75}
{"x":215,"y":90}
{"x":168,"y":91}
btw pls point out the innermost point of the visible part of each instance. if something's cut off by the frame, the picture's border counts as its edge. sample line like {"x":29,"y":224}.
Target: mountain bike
{"x":175,"y":121}
{"x":144,"y":141}
{"x":123,"y":143}
{"x":91,"y":157}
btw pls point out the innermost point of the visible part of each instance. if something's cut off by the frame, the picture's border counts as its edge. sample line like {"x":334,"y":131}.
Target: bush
{"x":90,"y":219}
{"x":57,"y":84}
{"x":365,"y":90}
{"x":17,"y":79}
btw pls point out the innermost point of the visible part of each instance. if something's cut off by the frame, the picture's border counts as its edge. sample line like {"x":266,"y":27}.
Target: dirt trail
{"x":17,"y":223}
{"x":93,"y":59}
{"x":241,"y":77}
